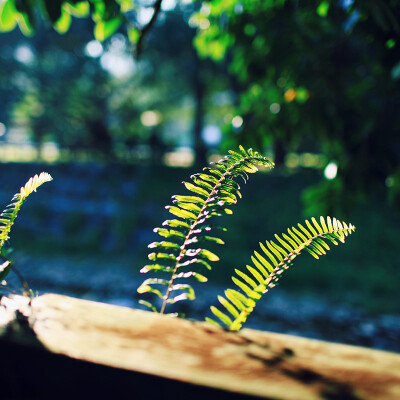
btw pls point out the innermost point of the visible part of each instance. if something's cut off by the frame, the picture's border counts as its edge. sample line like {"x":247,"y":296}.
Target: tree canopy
{"x":302,"y":77}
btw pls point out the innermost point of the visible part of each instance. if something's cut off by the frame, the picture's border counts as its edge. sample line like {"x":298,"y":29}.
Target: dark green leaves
{"x":108,"y":15}
{"x":210,"y":194}
{"x":274,"y":259}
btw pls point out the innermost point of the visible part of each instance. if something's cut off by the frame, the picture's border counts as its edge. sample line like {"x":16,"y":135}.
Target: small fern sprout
{"x":7,"y":217}
{"x":270,"y":262}
{"x":213,"y":192}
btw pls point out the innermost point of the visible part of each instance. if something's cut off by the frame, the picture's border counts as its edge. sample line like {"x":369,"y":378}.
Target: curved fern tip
{"x":212,"y":194}
{"x":7,"y":217}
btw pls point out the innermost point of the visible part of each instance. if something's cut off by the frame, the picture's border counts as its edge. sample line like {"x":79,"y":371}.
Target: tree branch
{"x":143,"y":32}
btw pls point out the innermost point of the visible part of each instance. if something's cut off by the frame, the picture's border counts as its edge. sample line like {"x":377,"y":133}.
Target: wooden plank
{"x":248,"y":363}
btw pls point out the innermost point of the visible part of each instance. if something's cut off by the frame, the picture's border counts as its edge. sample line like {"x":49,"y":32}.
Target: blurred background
{"x":121,"y":100}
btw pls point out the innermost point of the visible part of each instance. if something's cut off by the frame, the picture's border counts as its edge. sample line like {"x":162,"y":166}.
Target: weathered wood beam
{"x":58,"y":347}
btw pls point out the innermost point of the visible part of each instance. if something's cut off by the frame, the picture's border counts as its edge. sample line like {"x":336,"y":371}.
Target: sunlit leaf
{"x":104,"y":29}
{"x":195,"y":189}
{"x":265,"y":276}
{"x":148,"y":304}
{"x":223,"y":317}
{"x":217,"y":189}
{"x":25,"y":24}
{"x":169,"y":232}
{"x":179,"y":212}
{"x":8,"y":16}
{"x":156,"y":267}
{"x":190,"y":199}
{"x":323,"y":8}
{"x":79,"y":10}
{"x":63,"y":23}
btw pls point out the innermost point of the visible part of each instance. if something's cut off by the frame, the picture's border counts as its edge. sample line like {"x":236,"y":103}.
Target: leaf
{"x":230,"y":308}
{"x":133,"y":34}
{"x":199,"y":277}
{"x":188,"y":206}
{"x":148,"y":289}
{"x":4,"y":269}
{"x":202,"y":183}
{"x":25,"y":24}
{"x":8,"y":16}
{"x":265,"y":263}
{"x":211,"y":321}
{"x":104,"y":29}
{"x":312,"y":240}
{"x":190,"y":199}
{"x":323,"y":8}
{"x":163,"y":244}
{"x":229,"y":294}
{"x":195,"y":189}
{"x":196,"y":261}
{"x":10,"y":213}
{"x":148,"y":304}
{"x":80,"y":9}
{"x":180,"y":297}
{"x":155,"y":267}
{"x":168,"y":232}
{"x":208,"y":254}
{"x":188,"y":292}
{"x":176,"y":223}
{"x":208,"y":178}
{"x":179,"y":212}
{"x":246,"y":278}
{"x":63,"y":23}
{"x":213,"y":191}
{"x":213,"y":239}
{"x":223,"y":317}
{"x":163,"y":256}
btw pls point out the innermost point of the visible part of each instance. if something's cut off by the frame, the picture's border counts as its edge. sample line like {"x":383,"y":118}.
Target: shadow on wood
{"x":60,"y":347}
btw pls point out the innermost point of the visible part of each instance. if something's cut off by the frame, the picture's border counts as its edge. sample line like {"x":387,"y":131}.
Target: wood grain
{"x":249,"y":363}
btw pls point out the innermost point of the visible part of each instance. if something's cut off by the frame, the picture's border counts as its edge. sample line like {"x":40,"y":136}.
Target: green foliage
{"x":213,"y":192}
{"x":293,"y":97}
{"x":275,"y":258}
{"x":107,"y":15}
{"x":7,"y":217}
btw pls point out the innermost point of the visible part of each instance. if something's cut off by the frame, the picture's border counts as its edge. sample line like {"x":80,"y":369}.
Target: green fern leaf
{"x":213,"y":192}
{"x":7,"y":217}
{"x":276,"y":259}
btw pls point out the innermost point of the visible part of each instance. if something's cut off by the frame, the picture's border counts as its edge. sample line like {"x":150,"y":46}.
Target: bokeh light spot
{"x":290,"y":95}
{"x":2,"y":129}
{"x":204,"y":24}
{"x":151,"y":118}
{"x":275,"y":108}
{"x":94,"y":49}
{"x":331,"y":170}
{"x":237,"y":121}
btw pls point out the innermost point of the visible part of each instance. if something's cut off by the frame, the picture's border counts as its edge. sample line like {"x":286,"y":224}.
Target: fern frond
{"x":8,"y":216}
{"x":275,"y":258}
{"x":213,"y":192}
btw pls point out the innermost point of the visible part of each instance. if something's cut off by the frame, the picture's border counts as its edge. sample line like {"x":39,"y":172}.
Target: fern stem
{"x":192,"y":228}
{"x":22,"y":280}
